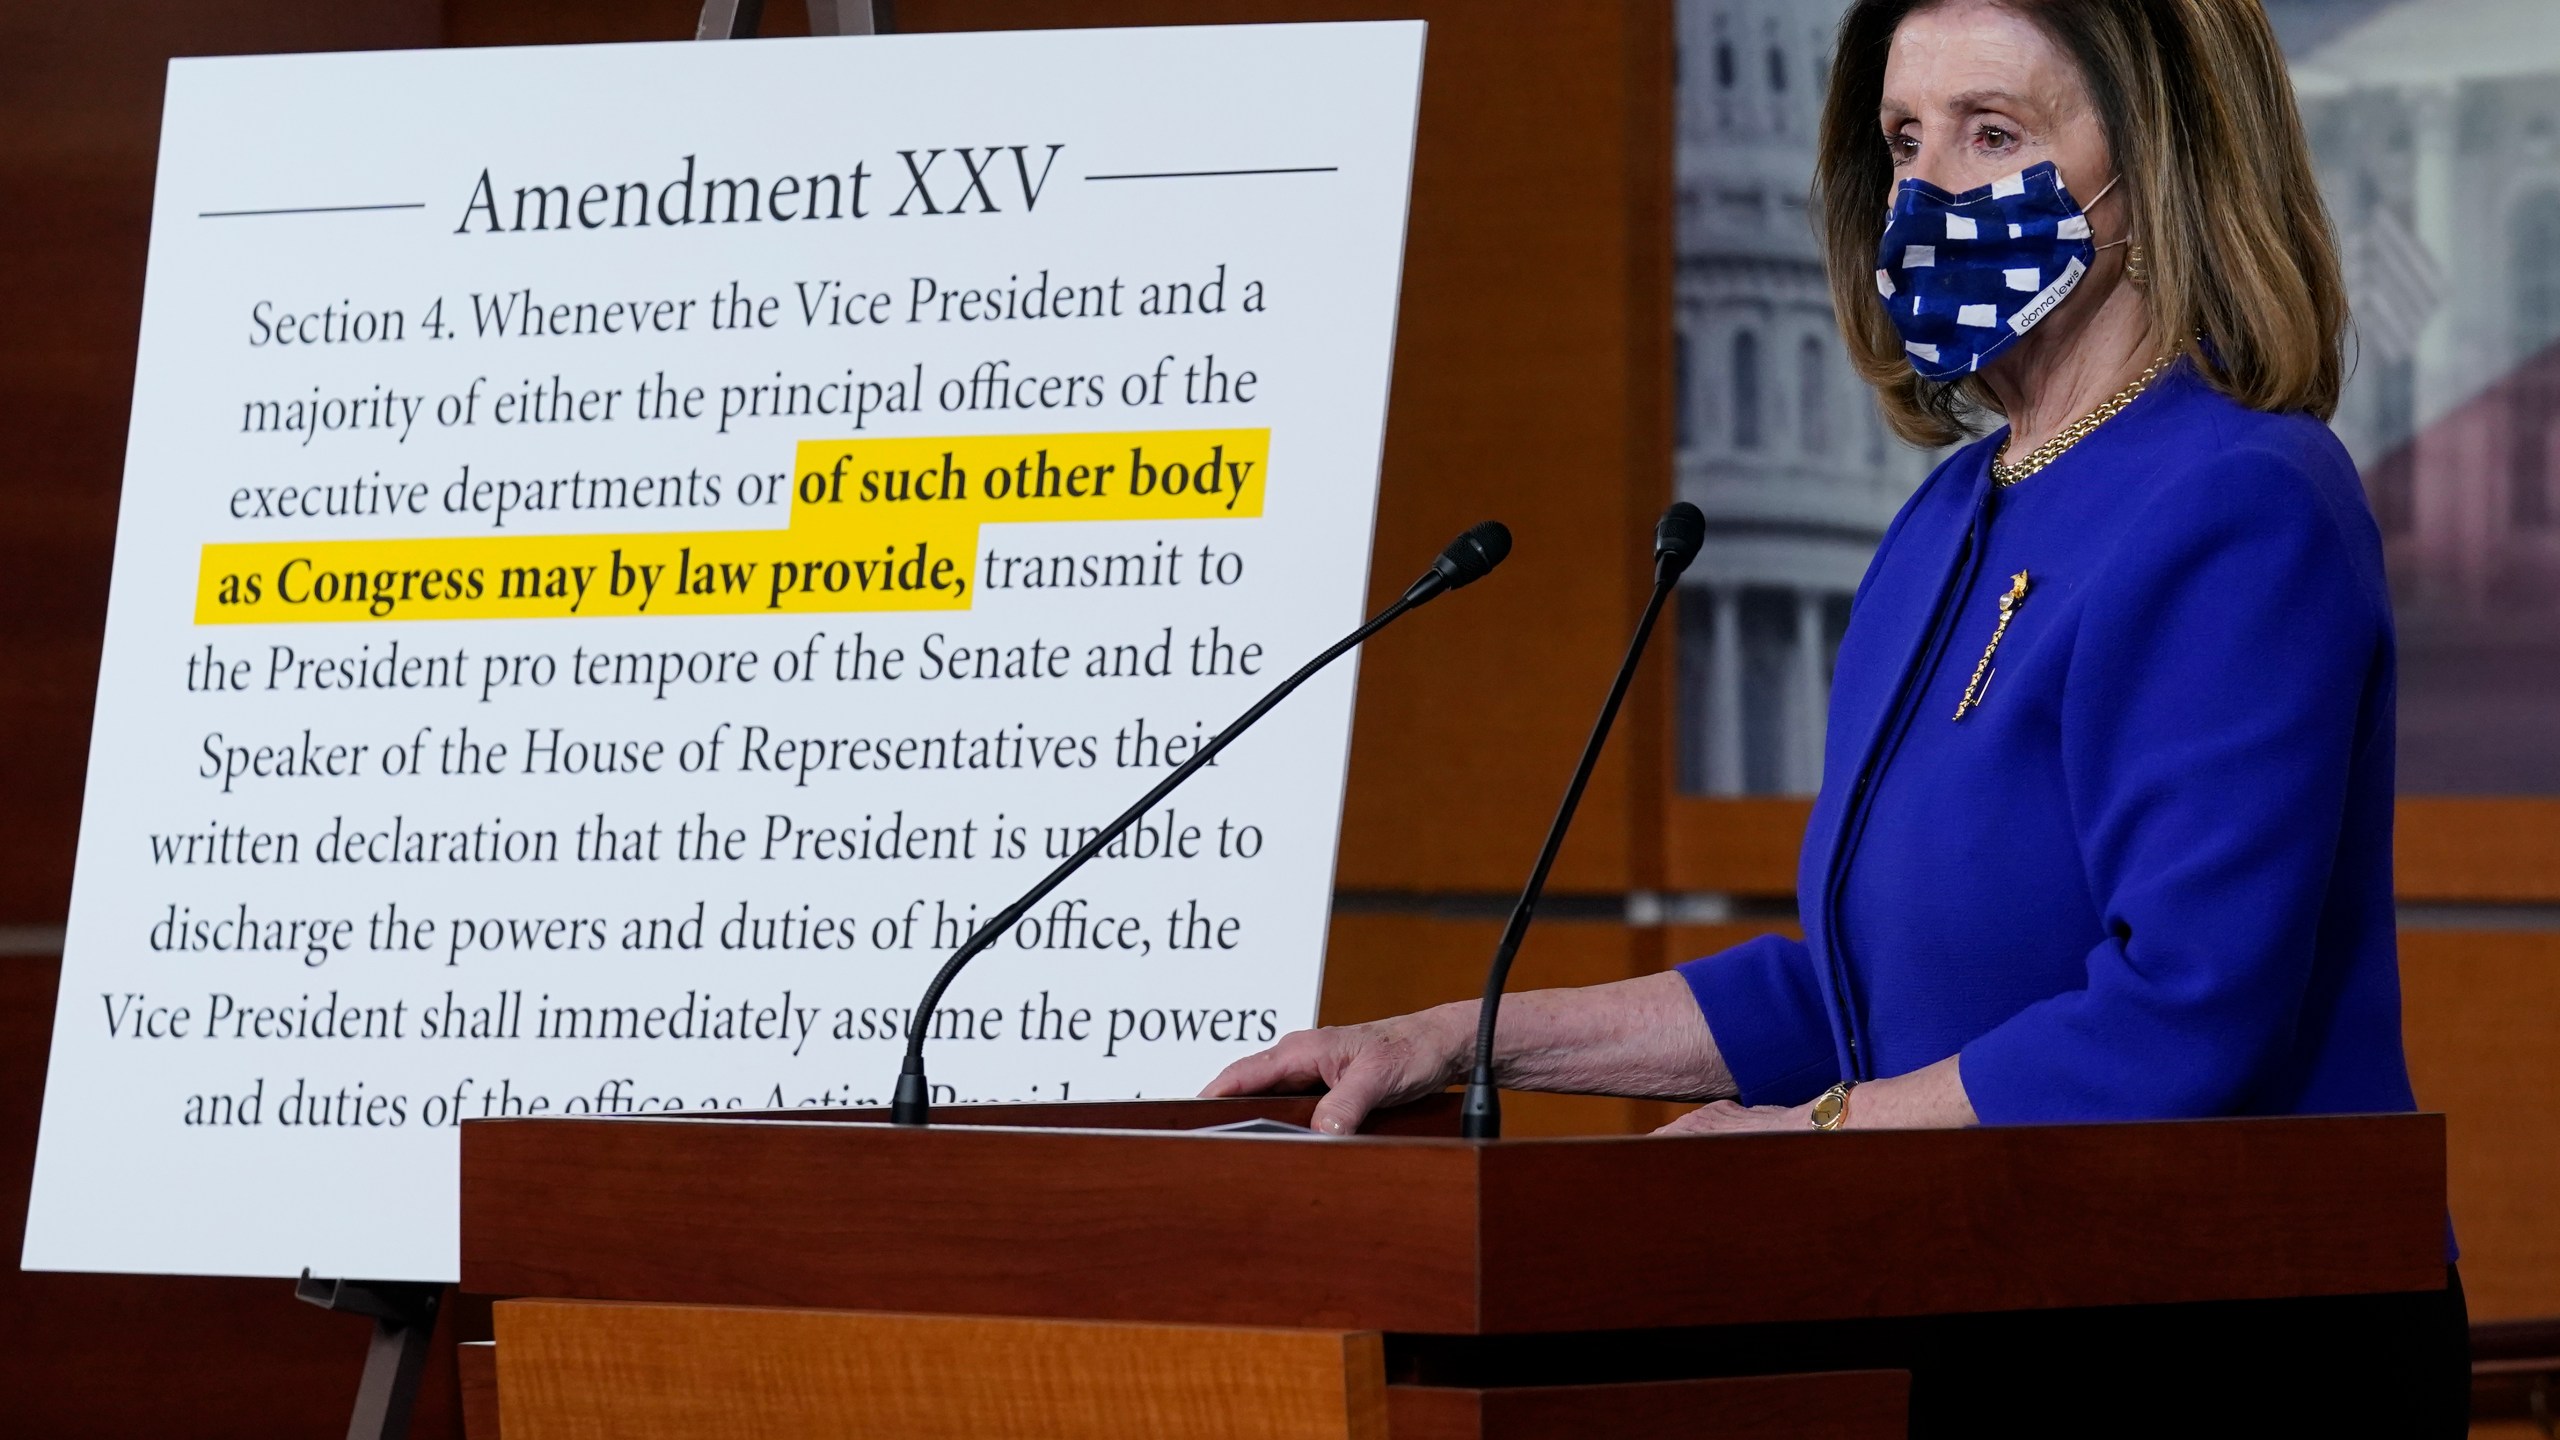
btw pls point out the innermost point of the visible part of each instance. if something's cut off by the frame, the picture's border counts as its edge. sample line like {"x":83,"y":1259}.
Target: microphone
{"x":1466,"y":560}
{"x":1676,"y":538}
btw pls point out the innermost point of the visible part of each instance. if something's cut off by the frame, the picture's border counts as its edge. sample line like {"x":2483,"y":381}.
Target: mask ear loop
{"x":2137,"y":266}
{"x":2093,"y":204}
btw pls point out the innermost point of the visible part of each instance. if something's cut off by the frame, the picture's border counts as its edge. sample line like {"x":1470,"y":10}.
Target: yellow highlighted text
{"x":875,"y":525}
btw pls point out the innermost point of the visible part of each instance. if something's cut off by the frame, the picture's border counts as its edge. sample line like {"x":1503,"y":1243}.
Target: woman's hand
{"x":1732,"y":1117}
{"x":1360,"y":1067}
{"x":1929,"y":1098}
{"x":1628,"y":1037}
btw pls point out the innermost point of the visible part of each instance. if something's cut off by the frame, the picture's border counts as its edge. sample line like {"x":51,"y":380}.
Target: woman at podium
{"x":2105,"y":824}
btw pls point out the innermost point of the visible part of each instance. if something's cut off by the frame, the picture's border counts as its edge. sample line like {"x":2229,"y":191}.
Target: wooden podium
{"x":780,"y":1275}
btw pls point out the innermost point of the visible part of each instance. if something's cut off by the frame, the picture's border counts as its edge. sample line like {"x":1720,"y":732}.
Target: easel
{"x":404,"y":1312}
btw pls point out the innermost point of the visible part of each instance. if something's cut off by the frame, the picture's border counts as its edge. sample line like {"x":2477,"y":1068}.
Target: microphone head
{"x":1473,"y":555}
{"x":1676,"y":538}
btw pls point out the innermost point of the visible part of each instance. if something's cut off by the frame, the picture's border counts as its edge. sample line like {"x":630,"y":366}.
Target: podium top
{"x":1098,"y":1211}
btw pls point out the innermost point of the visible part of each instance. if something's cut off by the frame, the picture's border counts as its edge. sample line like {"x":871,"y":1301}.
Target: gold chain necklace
{"x":2005,"y":474}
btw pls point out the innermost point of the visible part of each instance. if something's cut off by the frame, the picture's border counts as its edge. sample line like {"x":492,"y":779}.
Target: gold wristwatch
{"x":1831,"y":1110}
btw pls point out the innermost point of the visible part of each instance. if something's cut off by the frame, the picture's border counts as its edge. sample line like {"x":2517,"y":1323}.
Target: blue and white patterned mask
{"x":1965,"y":275}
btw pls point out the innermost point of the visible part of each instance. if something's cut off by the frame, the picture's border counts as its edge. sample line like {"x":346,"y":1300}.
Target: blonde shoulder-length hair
{"x":2199,"y":115}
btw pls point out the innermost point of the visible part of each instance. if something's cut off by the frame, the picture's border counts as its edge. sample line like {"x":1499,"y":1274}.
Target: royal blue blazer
{"x":2148,"y":875}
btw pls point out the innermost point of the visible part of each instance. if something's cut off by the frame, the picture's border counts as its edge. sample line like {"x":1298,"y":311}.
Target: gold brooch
{"x":2009,"y":604}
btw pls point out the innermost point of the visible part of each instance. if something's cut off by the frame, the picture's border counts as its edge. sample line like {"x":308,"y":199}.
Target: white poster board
{"x":626,"y":551}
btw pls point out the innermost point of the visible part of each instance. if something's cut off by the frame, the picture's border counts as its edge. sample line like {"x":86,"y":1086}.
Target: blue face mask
{"x":1965,"y":275}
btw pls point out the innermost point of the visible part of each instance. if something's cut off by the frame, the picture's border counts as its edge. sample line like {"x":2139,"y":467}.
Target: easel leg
{"x":729,"y":20}
{"x":848,"y":17}
{"x":388,"y":1394}
{"x":740,"y":19}
{"x":404,"y":1323}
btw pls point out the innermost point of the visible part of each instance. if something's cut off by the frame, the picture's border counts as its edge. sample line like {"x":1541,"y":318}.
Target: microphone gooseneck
{"x":1466,"y":560}
{"x":1676,"y":538}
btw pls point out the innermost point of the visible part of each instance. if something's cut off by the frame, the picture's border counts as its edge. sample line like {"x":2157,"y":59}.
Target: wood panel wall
{"x":2482,"y":1023}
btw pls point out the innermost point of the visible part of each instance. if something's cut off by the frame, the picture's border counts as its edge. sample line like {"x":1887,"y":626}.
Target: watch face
{"x":1826,"y":1111}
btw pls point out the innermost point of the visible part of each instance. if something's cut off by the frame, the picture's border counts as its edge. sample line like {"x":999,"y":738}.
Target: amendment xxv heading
{"x":960,"y":180}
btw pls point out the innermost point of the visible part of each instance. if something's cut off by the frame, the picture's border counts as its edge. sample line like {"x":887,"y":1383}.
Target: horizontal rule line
{"x":1203,"y":174}
{"x":309,"y":210}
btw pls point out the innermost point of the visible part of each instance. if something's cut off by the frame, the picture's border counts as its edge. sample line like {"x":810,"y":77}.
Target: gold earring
{"x":2137,"y":266}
